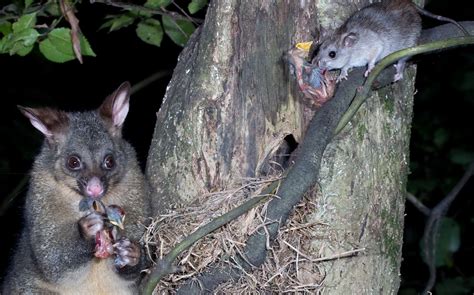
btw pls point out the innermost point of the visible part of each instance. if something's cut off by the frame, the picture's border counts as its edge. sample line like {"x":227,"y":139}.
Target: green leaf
{"x":28,"y":3}
{"x":2,"y":45}
{"x":448,"y":242}
{"x":118,"y":22}
{"x":26,"y":37}
{"x":23,"y":50}
{"x":196,"y":5}
{"x":441,"y":136}
{"x":140,"y":13}
{"x":57,"y":46}
{"x":5,"y":28}
{"x":27,"y":21}
{"x":52,"y":53}
{"x":178,"y":30}
{"x":23,"y":42}
{"x":454,"y":286}
{"x":157,"y":3}
{"x":461,"y":156}
{"x":86,"y":48}
{"x":53,"y":8}
{"x":150,"y":31}
{"x":107,"y":24}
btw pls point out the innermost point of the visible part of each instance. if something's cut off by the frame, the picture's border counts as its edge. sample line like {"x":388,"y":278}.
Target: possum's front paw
{"x":90,"y":224}
{"x":128,"y":253}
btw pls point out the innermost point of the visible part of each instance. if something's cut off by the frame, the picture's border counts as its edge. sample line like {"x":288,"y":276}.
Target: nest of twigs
{"x":288,"y":267}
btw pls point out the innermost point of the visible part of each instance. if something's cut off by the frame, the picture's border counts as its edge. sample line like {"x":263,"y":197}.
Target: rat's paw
{"x":370,"y":67}
{"x":399,"y":75}
{"x":90,"y":224}
{"x":341,"y":78}
{"x":128,"y":253}
{"x":343,"y":75}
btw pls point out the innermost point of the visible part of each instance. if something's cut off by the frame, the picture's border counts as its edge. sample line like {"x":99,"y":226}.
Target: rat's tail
{"x":441,"y":18}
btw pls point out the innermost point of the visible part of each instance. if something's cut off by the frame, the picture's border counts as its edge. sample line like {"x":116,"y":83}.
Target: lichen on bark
{"x":363,"y":183}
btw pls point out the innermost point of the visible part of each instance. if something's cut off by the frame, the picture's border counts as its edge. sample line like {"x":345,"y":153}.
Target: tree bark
{"x":230,"y":105}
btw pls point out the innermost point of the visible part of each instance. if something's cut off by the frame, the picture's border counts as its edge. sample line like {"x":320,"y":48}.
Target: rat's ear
{"x":52,"y":123}
{"x":350,"y":39}
{"x":114,"y":109}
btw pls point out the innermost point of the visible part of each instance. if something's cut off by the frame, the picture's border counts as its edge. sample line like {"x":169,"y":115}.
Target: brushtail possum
{"x":83,"y":160}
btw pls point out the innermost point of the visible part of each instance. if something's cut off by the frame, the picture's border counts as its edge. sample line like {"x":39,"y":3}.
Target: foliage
{"x":57,"y":46}
{"x":448,"y":242}
{"x":53,"y":26}
{"x":439,"y":154}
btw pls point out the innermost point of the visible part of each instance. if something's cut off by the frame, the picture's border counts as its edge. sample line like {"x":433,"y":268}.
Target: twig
{"x":279,"y":272}
{"x":67,"y":10}
{"x":332,"y":257}
{"x":183,"y":12}
{"x":164,"y":265}
{"x":129,"y":6}
{"x":297,"y":251}
{"x":8,"y":200}
{"x":430,"y":236}
{"x":363,"y":94}
{"x":148,"y":80}
{"x":339,"y":255}
{"x":419,"y":205}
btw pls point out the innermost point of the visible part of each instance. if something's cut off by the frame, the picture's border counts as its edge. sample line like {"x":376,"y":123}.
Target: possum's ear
{"x":52,"y":123}
{"x":350,"y":39}
{"x":114,"y":109}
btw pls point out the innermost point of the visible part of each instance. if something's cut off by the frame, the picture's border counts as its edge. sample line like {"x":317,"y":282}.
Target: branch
{"x":430,"y":236}
{"x":8,"y":200}
{"x":148,"y":80}
{"x":419,"y":205}
{"x":435,"y":215}
{"x":165,"y":265}
{"x":392,"y":58}
{"x":129,"y":7}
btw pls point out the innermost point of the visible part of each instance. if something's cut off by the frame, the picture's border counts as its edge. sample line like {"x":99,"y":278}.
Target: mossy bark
{"x":230,"y":102}
{"x":229,"y":106}
{"x":362,"y":194}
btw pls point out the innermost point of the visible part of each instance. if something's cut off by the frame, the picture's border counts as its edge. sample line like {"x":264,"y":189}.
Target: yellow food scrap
{"x":304,"y":45}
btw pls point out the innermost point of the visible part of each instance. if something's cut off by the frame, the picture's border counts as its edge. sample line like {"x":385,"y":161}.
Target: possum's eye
{"x":332,"y":54}
{"x":74,"y":163}
{"x":109,"y":162}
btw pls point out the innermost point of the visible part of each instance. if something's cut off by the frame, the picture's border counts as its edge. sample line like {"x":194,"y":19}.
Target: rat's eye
{"x":74,"y":163}
{"x":332,"y":54}
{"x":109,"y":162}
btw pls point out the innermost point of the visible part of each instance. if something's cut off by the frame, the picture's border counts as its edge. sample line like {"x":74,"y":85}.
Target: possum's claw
{"x":128,"y":253}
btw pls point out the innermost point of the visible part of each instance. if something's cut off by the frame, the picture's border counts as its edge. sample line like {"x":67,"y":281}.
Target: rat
{"x":372,"y":33}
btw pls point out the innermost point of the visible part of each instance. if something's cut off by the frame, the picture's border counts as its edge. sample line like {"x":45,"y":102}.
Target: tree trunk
{"x":231,"y":104}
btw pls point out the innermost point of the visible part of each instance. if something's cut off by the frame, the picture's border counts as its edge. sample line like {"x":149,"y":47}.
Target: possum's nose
{"x":95,"y":187}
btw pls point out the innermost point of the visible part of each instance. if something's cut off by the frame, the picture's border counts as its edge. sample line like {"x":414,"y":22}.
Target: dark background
{"x":440,"y":145}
